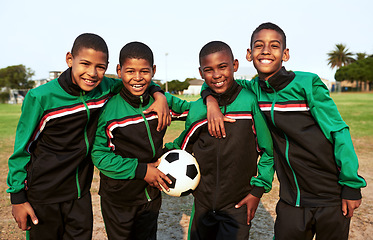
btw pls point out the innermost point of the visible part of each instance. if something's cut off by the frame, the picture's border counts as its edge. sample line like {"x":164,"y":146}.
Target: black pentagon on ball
{"x":186,"y":193}
{"x":172,"y":157}
{"x":173,"y":180}
{"x":191,"y":171}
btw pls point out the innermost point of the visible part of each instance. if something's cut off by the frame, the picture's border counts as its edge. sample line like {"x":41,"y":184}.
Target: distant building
{"x":194,"y":87}
{"x":330,"y":84}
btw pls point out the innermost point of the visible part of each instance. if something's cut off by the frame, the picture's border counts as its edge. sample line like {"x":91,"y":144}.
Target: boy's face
{"x":267,"y":53}
{"x":87,"y":68}
{"x":217,"y":69}
{"x":136,"y":75}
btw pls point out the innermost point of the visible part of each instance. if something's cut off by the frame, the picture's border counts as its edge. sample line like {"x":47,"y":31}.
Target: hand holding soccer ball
{"x":182,"y":169}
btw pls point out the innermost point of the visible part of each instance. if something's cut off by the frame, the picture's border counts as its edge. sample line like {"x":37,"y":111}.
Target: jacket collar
{"x":133,"y":100}
{"x":229,"y":96}
{"x":278,"y":81}
{"x":67,"y":84}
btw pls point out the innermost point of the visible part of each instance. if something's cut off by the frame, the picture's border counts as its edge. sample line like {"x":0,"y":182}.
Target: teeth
{"x":266,"y":61}
{"x":88,"y":81}
{"x":136,"y":86}
{"x":218,"y":84}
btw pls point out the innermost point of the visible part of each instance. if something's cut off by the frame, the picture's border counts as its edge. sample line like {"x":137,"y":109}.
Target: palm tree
{"x":340,"y":56}
{"x":360,"y":56}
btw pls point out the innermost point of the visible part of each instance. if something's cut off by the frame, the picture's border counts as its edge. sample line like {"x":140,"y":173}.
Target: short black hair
{"x":213,"y":47}
{"x":89,"y":40}
{"x":137,"y":50}
{"x":271,"y":26}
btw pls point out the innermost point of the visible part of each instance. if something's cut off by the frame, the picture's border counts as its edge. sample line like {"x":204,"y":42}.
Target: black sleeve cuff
{"x":205,"y":93}
{"x":351,"y":193}
{"x":155,"y":88}
{"x":141,"y":170}
{"x":18,"y":198}
{"x":257,"y":191}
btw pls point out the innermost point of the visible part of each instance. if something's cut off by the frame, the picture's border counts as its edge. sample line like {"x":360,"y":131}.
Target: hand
{"x":252,"y":203}
{"x":20,"y":213}
{"x":348,"y":207}
{"x":215,"y":118}
{"x":155,"y":177}
{"x":160,"y":106}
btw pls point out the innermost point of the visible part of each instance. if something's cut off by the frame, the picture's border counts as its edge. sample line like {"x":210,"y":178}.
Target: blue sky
{"x":39,"y":33}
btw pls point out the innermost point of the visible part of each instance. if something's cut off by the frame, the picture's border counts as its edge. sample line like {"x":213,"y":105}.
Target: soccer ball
{"x":182,"y":169}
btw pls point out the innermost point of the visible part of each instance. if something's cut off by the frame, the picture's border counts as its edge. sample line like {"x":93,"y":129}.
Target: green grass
{"x":9,"y":115}
{"x":357,"y":111}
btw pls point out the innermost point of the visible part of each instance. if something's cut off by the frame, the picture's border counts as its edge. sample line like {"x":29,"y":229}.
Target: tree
{"x":16,"y":77}
{"x":340,"y":56}
{"x":360,"y":71}
{"x":360,"y":56}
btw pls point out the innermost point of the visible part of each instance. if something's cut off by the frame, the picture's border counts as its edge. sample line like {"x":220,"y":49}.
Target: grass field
{"x":355,"y":108}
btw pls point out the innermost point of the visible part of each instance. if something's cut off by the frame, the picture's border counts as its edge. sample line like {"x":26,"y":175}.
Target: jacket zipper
{"x":297,"y":202}
{"x":82,"y":93}
{"x":150,"y":140}
{"x":217,"y":170}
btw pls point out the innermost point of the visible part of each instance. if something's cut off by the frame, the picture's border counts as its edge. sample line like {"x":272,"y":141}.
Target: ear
{"x":235,"y":65}
{"x":286,"y":55}
{"x":119,"y":69}
{"x":154,"y":70}
{"x":201,"y":73}
{"x":69,"y":59}
{"x":248,"y":55}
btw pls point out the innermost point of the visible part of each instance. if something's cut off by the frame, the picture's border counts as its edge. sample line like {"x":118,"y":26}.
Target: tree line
{"x":351,"y":66}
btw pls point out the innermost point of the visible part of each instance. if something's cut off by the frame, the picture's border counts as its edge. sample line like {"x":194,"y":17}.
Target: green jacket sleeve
{"x":31,"y":114}
{"x":337,"y":132}
{"x":108,"y":162}
{"x":176,"y":104}
{"x":266,"y":168}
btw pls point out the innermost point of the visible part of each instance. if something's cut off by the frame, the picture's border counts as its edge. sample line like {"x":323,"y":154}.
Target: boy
{"x":50,"y":171}
{"x":315,"y":160}
{"x":228,"y":166}
{"x":127,"y":147}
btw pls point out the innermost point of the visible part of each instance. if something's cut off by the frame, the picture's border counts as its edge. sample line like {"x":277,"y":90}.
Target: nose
{"x":216,"y":74}
{"x":137,"y":76}
{"x":266,"y":49}
{"x":92,"y":71}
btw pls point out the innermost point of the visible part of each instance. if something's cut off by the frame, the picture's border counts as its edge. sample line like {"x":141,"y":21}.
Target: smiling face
{"x":267,"y":53}
{"x":217,"y":69}
{"x":87,"y":68}
{"x":136,"y":75}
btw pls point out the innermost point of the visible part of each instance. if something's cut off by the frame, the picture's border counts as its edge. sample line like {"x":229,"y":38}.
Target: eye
{"x":223,"y":66}
{"x":258,"y":45}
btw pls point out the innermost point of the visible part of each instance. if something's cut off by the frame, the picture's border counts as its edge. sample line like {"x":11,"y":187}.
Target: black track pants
{"x":131,"y":222}
{"x":303,"y":223}
{"x":228,"y":224}
{"x":70,"y":220}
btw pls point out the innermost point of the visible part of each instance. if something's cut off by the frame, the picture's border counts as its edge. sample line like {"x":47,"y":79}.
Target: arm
{"x":159,"y":106}
{"x":179,"y":108}
{"x":336,"y":131}
{"x":263,"y":181}
{"x":30,"y":117}
{"x":118,"y":167}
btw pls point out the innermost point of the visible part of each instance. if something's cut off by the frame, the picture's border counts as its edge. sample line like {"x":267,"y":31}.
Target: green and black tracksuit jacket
{"x":229,"y":166}
{"x":126,"y":141}
{"x":314,"y":157}
{"x":51,"y":161}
